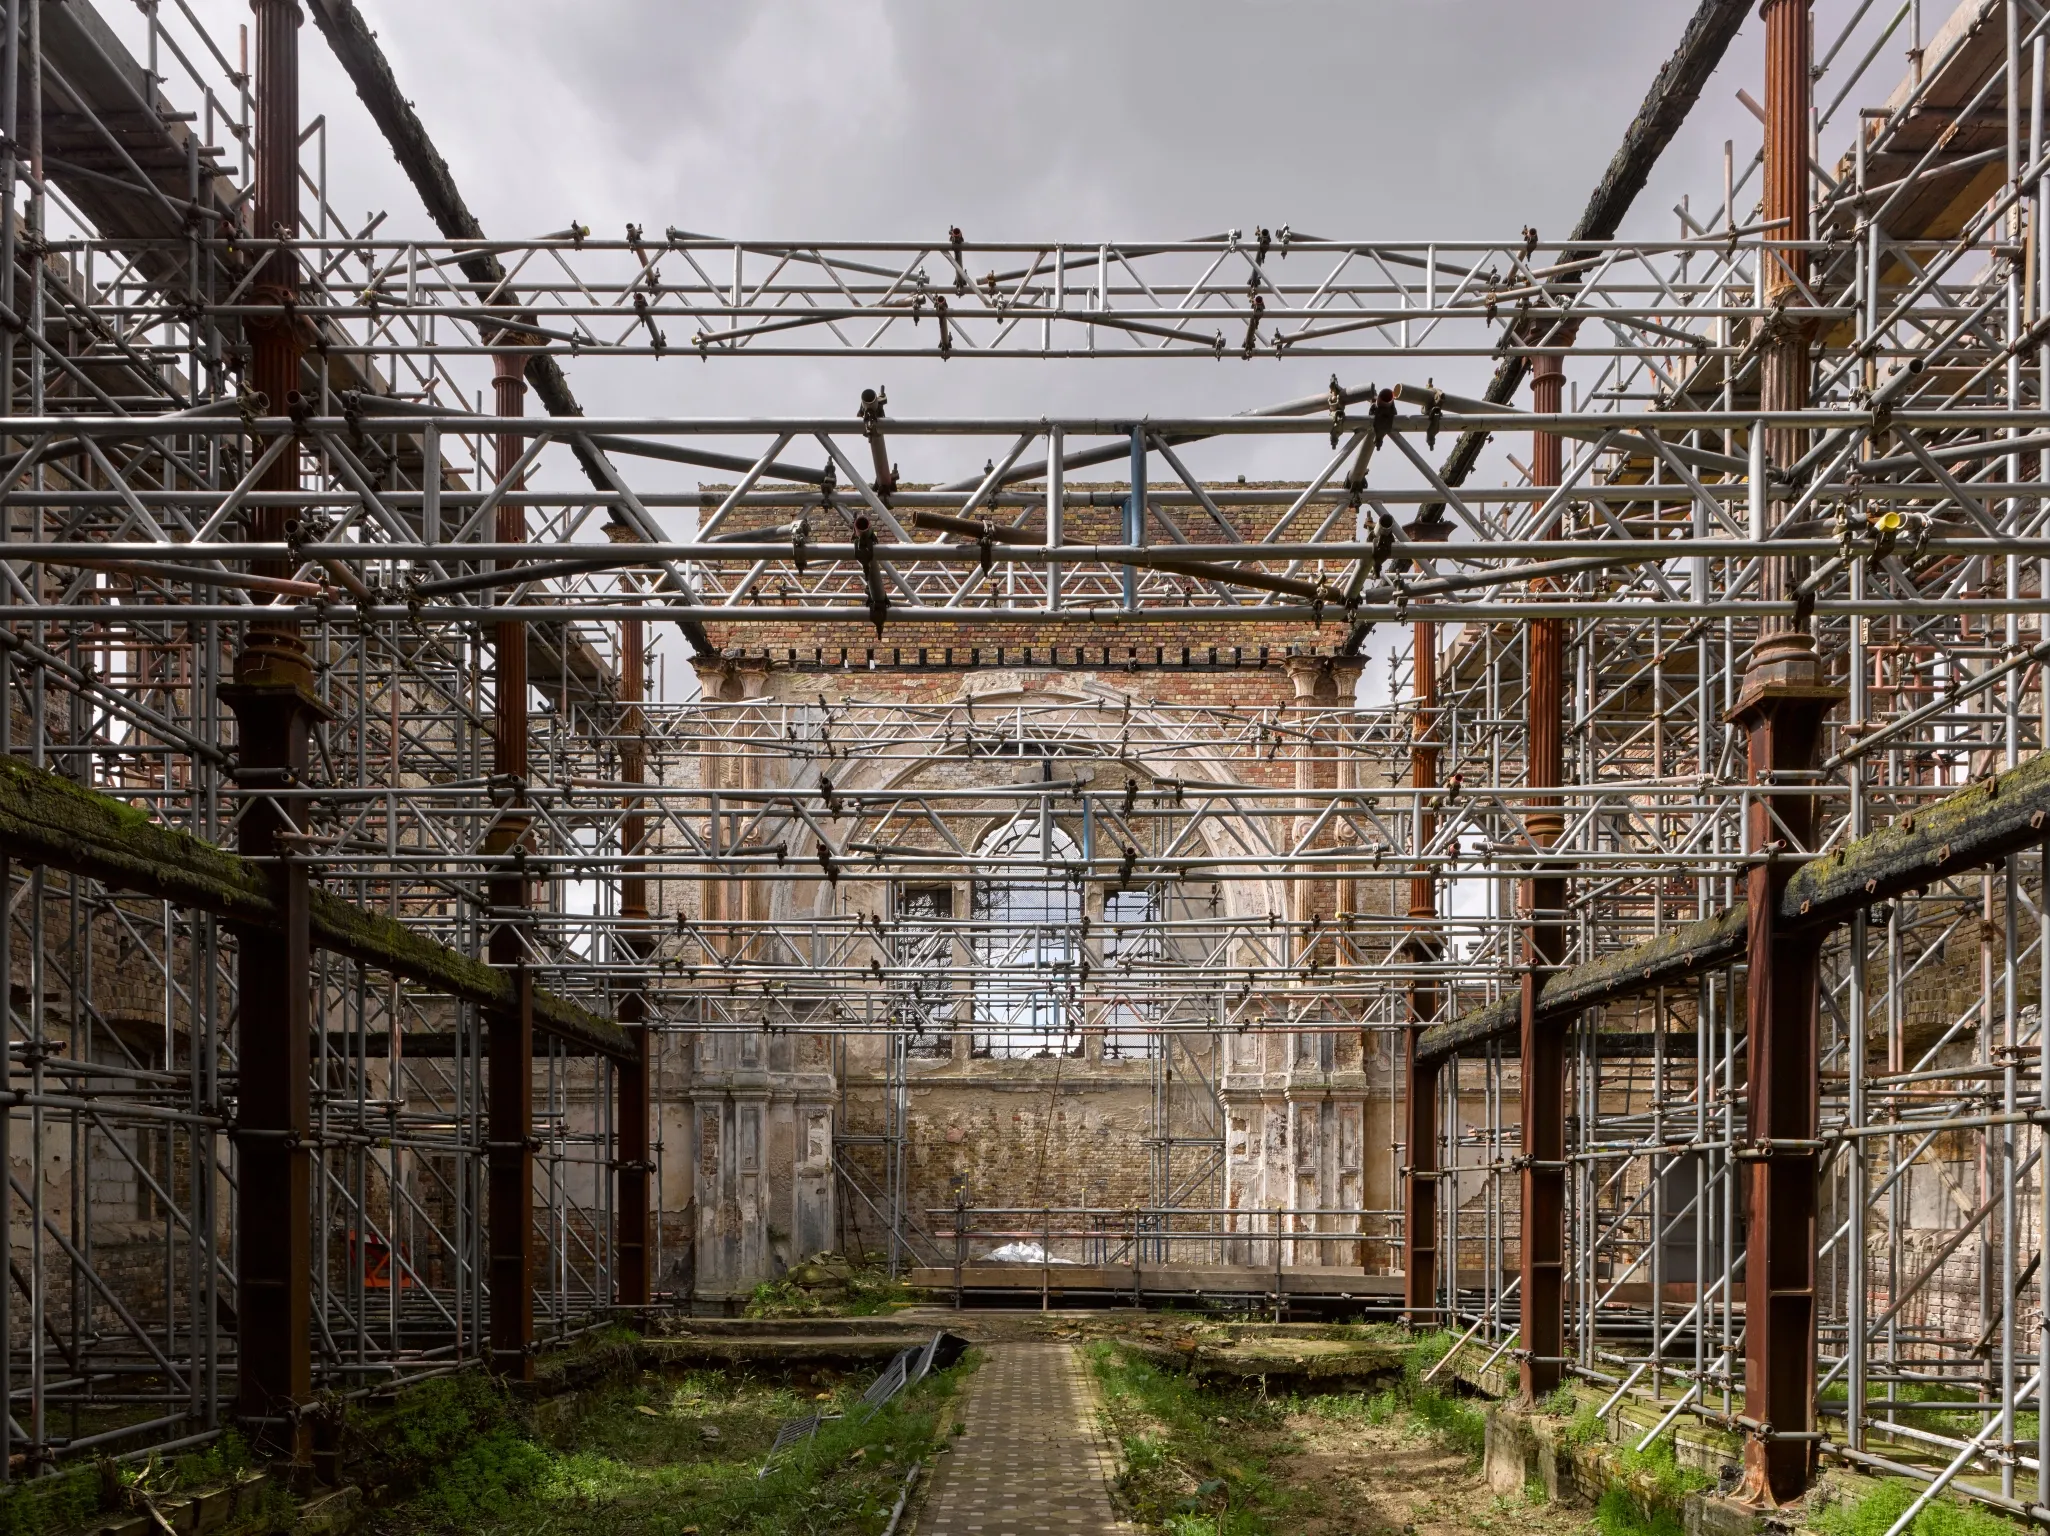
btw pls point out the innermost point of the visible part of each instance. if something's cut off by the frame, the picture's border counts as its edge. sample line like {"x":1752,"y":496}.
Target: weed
{"x":1432,"y":1410}
{"x":1648,"y":1501}
{"x":1196,"y":1461}
{"x":828,"y":1286}
{"x":1354,"y":1408}
{"x":1585,"y":1427}
{"x":1619,"y":1514}
{"x":49,"y":1503}
{"x":1456,"y":1422}
{"x":1425,"y":1351}
{"x":431,"y":1426}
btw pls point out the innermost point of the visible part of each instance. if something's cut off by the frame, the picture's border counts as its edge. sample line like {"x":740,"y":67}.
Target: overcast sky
{"x":1076,"y":120}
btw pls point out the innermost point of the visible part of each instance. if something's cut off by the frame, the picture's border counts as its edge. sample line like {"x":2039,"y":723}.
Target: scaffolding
{"x":1561,"y":771}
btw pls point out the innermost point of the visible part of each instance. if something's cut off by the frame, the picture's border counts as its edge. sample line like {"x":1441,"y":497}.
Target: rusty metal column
{"x":1780,"y":710}
{"x":1420,"y":1105}
{"x":1543,"y":1084}
{"x":1783,"y":728}
{"x":633,"y":1151}
{"x":509,"y":1046}
{"x":275,"y":707}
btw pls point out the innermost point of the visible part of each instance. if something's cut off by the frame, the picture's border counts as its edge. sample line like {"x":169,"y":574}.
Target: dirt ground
{"x":1378,"y":1479}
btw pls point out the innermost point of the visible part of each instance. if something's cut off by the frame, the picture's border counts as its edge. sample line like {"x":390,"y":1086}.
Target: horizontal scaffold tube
{"x":1973,"y":827}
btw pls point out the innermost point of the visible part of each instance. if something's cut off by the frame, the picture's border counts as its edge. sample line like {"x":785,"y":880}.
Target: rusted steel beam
{"x":509,"y":1032}
{"x":1425,"y":945}
{"x":509,"y":1173}
{"x":275,"y":342}
{"x":49,"y":821}
{"x":275,"y":707}
{"x":1542,"y":1047}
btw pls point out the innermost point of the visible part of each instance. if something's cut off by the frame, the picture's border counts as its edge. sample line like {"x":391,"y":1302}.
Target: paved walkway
{"x":1032,"y":1460}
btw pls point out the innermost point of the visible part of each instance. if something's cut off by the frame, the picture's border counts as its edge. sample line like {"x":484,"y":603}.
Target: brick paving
{"x":1033,"y":1461}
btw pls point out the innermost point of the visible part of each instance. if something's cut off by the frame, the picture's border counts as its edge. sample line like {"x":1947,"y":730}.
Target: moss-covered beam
{"x":47,"y":820}
{"x":1974,"y":827}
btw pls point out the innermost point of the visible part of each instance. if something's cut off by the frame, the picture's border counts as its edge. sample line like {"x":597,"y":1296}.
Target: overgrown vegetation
{"x":433,"y":1426}
{"x":1648,"y":1499}
{"x":1942,"y":1408}
{"x":83,"y":1494}
{"x":1372,"y":1408}
{"x":656,"y":1455}
{"x":827,"y":1285}
{"x":1196,"y":1462}
{"x":50,"y":1504}
{"x":1875,"y":1513}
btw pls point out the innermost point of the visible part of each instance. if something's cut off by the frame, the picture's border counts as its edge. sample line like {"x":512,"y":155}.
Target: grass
{"x":1935,"y":1406}
{"x":657,"y":1456}
{"x":1196,"y":1462}
{"x":1370,"y":1408}
{"x":1875,"y":1513}
{"x":1452,"y":1419}
{"x":1617,"y":1513}
{"x":1455,"y":1422}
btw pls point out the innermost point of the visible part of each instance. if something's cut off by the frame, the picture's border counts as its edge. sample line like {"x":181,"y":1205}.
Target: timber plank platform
{"x":1159,"y":1281}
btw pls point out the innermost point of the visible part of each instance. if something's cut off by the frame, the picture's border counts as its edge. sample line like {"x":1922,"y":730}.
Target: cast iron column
{"x":509,"y":1047}
{"x":1544,"y":903}
{"x":1782,"y":1102}
{"x":275,"y":707}
{"x":632,"y":1077}
{"x":1780,"y":709}
{"x":1420,"y":1130}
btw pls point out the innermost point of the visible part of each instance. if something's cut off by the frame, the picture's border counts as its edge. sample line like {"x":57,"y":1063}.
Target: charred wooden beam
{"x":1674,"y":90}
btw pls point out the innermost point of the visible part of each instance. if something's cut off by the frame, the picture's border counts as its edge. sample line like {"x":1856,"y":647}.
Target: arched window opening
{"x":1025,"y":938}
